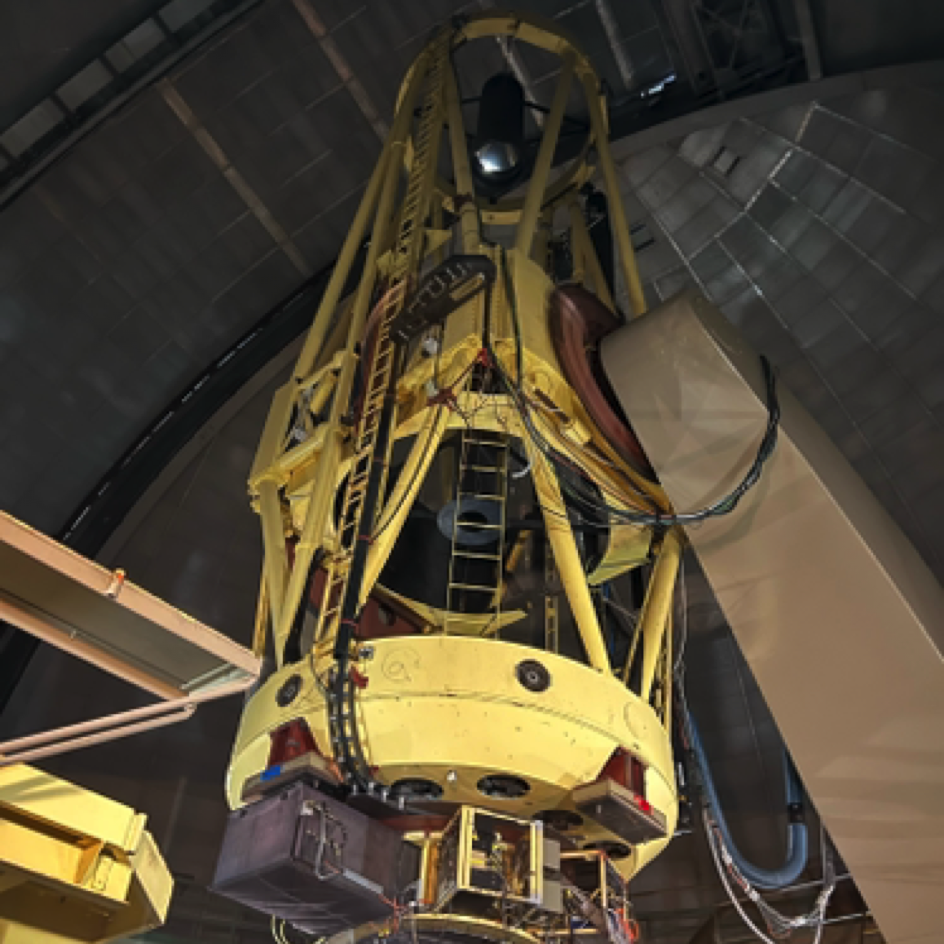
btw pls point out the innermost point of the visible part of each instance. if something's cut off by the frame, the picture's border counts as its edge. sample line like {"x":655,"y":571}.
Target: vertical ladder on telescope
{"x":405,"y":259}
{"x":482,"y":479}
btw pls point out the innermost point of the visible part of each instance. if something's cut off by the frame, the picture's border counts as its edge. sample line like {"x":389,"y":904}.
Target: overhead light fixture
{"x":499,"y":141}
{"x":497,"y":158}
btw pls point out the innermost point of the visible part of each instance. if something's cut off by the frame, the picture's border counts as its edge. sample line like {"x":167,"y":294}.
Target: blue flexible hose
{"x":797,"y":838}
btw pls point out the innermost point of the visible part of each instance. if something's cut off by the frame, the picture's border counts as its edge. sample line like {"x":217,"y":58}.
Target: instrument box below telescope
{"x":313,"y":861}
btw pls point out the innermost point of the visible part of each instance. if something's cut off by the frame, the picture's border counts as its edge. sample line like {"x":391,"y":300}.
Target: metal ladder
{"x":405,"y":259}
{"x":482,"y":477}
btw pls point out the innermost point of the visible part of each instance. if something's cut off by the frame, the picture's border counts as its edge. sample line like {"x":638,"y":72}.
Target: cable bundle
{"x":578,"y":487}
{"x":778,"y":925}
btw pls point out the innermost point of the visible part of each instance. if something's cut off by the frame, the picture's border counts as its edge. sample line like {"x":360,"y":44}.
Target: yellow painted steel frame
{"x":74,"y":865}
{"x":448,"y":706}
{"x":450,"y":709}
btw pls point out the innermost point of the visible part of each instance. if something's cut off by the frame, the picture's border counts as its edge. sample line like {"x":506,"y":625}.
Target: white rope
{"x":779,"y":925}
{"x":722,"y":874}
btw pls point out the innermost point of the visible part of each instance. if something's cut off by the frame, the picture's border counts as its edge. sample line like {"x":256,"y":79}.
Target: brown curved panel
{"x":578,"y":320}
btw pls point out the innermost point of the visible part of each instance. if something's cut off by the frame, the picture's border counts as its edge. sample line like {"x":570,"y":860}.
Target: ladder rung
{"x":472,"y":586}
{"x":470,"y":554}
{"x":466,"y":467}
{"x":479,"y":496}
{"x":481,"y":527}
{"x":496,"y":443}
{"x":377,"y":391}
{"x":355,"y":485}
{"x":348,"y":534}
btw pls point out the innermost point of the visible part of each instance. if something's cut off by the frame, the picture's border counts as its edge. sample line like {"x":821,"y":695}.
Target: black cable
{"x":513,"y":307}
{"x":416,"y":474}
{"x":514,"y":388}
{"x":729,"y":502}
{"x":720,"y":507}
{"x":517,"y":395}
{"x":362,"y":774}
{"x":350,"y":755}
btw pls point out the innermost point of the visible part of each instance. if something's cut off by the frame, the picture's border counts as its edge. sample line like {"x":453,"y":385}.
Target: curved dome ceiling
{"x":137,"y":259}
{"x":819,"y":230}
{"x":155,"y":239}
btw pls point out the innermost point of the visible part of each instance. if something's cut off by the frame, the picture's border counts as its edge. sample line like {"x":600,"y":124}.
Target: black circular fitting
{"x":503,"y":787}
{"x":533,"y":676}
{"x":289,"y":691}
{"x":561,"y":820}
{"x":475,"y":523}
{"x":614,"y":850}
{"x":416,"y":788}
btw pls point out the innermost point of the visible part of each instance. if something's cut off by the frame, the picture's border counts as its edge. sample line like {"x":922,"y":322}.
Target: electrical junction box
{"x":622,"y":811}
{"x":313,"y":861}
{"x":483,"y":857}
